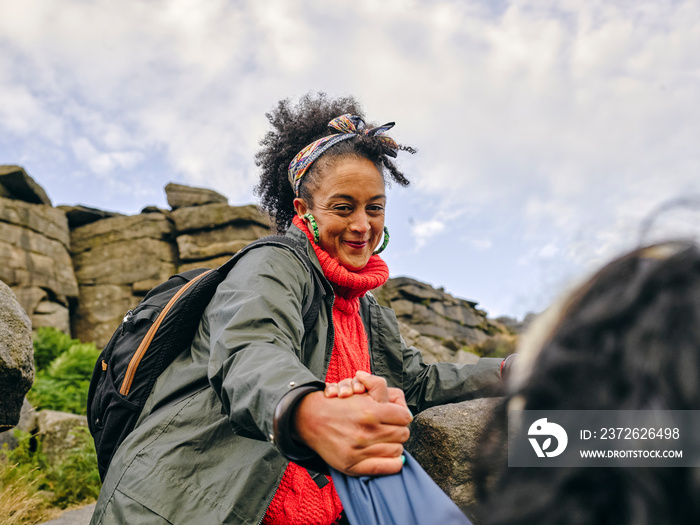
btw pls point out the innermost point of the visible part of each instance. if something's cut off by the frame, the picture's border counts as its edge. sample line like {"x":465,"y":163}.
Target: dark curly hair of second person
{"x":628,"y":339}
{"x":294,"y":126}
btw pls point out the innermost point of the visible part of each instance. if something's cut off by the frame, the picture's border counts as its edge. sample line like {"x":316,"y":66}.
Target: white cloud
{"x":103,"y":163}
{"x":536,"y":120}
{"x":424,"y":231}
{"x":548,"y":251}
{"x":480,"y":244}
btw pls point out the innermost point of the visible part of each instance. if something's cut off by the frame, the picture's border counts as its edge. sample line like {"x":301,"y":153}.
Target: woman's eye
{"x":376,"y":208}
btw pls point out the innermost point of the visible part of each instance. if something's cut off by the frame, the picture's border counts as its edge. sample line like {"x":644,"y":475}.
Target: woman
{"x":238,"y":429}
{"x":628,"y":339}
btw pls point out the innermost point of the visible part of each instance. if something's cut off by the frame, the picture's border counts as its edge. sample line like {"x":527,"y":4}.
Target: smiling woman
{"x":348,"y":209}
{"x":240,"y":428}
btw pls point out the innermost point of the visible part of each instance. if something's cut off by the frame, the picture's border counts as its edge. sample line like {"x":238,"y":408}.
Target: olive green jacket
{"x":203,"y":450}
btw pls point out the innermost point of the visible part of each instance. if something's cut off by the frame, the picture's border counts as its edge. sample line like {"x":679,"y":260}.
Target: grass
{"x":34,"y":488}
{"x":20,"y":504}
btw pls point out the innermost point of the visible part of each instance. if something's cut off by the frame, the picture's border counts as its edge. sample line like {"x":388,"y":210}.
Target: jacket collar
{"x":299,"y":236}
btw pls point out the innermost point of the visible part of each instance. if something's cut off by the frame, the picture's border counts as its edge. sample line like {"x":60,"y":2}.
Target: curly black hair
{"x":628,"y":339}
{"x":294,"y":126}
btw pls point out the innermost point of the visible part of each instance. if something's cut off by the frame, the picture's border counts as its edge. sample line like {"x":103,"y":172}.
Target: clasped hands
{"x":358,"y":426}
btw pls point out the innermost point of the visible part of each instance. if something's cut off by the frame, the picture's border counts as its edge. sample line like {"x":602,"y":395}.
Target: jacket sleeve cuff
{"x":282,"y":426}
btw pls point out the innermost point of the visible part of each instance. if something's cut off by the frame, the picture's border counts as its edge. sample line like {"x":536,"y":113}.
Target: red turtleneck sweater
{"x":298,"y":499}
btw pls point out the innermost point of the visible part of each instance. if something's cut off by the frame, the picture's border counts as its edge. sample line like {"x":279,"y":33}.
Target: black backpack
{"x":150,"y":338}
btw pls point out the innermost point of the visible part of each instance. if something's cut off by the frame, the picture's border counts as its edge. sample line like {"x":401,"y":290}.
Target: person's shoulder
{"x":275,"y":259}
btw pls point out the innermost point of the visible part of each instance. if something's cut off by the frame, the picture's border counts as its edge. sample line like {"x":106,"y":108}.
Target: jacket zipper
{"x":274,"y":493}
{"x":141,"y":350}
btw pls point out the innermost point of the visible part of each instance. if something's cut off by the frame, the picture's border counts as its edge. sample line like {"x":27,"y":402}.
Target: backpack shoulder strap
{"x":312,"y":303}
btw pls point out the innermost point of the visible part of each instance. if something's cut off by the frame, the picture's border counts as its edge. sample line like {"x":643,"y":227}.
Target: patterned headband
{"x":347,"y":127}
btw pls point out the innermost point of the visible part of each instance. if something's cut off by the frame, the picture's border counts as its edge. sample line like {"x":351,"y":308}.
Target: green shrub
{"x":62,"y":384}
{"x":499,"y":345}
{"x":76,"y":479}
{"x":26,"y":471}
{"x":49,"y":343}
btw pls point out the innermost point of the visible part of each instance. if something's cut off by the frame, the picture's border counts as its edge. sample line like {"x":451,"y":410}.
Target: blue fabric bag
{"x":410,"y":497}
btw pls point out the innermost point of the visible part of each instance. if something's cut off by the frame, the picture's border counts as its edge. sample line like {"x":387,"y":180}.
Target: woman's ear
{"x":300,"y":207}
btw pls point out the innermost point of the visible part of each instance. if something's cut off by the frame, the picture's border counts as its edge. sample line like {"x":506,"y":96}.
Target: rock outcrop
{"x":433,"y":351}
{"x":118,"y":259}
{"x":16,"y":357}
{"x":34,"y":250}
{"x":181,"y":196}
{"x":444,"y":327}
{"x":15,"y":183}
{"x":209,"y":234}
{"x":80,"y":215}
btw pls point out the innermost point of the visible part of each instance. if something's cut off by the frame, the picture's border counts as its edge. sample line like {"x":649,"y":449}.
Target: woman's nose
{"x":360,"y":222}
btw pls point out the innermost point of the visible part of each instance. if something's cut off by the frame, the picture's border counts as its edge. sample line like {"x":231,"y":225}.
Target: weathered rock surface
{"x":100,"y":311}
{"x":180,"y":196}
{"x":126,"y":262}
{"x":215,"y":216}
{"x":432,"y":350}
{"x":119,"y":229}
{"x":209,"y":263}
{"x":16,"y":357}
{"x":28,"y":258}
{"x":444,"y":440}
{"x":79,"y":215}
{"x":44,"y":220}
{"x":55,"y":429}
{"x":214,"y":243}
{"x":35,"y":260}
{"x":117,"y":260}
{"x":17,"y":184}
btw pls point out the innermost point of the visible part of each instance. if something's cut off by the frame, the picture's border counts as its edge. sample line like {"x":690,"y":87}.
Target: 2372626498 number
{"x":639,"y":433}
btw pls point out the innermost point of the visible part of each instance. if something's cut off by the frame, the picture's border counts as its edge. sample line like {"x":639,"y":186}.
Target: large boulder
{"x":180,"y":196}
{"x":57,"y":433}
{"x":445,"y":441}
{"x":16,"y":357}
{"x":128,"y":262}
{"x":47,"y":309}
{"x":15,"y":183}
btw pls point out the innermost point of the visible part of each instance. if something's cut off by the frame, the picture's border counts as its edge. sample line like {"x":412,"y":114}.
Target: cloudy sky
{"x":547,"y":129}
